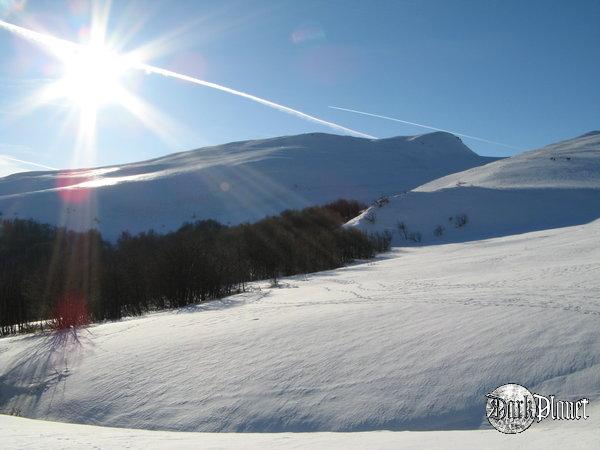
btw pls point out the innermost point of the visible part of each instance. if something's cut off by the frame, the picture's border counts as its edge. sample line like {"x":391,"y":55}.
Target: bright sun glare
{"x":91,"y":78}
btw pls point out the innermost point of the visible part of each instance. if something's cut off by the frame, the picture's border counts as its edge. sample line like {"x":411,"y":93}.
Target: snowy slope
{"x":19,"y":433}
{"x":232,"y":183}
{"x":556,"y":186}
{"x":410,"y":342}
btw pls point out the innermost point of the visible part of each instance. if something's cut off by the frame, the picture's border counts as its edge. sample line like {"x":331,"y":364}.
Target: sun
{"x":91,"y":78}
{"x":95,"y":76}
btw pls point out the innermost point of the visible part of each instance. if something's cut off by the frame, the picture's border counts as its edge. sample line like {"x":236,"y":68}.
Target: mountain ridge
{"x":234,"y":182}
{"x":555,"y":186}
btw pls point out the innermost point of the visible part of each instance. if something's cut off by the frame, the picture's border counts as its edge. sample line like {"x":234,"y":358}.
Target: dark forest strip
{"x":52,"y":277}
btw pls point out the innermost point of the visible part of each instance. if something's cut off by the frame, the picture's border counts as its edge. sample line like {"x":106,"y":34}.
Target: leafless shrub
{"x":461,"y":220}
{"x":415,"y":237}
{"x":403,"y":229}
{"x":371,"y":217}
{"x":382,"y":201}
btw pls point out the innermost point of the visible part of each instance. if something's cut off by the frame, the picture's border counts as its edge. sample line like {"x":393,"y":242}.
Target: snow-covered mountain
{"x":412,"y":341}
{"x":233,"y":183}
{"x":555,"y":186}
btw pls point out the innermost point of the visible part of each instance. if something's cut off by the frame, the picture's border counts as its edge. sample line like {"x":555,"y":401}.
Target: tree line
{"x":53,"y":277}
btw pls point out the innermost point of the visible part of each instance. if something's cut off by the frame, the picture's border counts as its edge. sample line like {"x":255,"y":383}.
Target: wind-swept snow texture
{"x":233,"y":183}
{"x":19,"y":433}
{"x":410,"y":342}
{"x":556,"y":186}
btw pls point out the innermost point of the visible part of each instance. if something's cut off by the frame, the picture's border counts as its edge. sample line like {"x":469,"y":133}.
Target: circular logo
{"x":510,"y":408}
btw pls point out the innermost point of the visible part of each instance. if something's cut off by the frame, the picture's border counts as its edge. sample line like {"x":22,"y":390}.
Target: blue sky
{"x":520,"y":73}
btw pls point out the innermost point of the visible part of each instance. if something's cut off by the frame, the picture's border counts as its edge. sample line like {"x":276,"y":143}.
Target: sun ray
{"x":170,"y":132}
{"x":132,"y":63}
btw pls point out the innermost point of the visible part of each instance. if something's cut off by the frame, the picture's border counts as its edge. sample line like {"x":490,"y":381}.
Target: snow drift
{"x":233,"y":183}
{"x":23,"y":433}
{"x":410,"y":342}
{"x":556,"y":186}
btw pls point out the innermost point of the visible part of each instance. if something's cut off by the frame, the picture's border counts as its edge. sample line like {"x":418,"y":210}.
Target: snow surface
{"x":412,"y":341}
{"x":25,"y":433}
{"x":576,"y":165}
{"x":556,"y":186}
{"x":233,"y":183}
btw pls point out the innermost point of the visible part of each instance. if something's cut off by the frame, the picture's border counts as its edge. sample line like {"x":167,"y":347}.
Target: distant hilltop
{"x":233,"y":183}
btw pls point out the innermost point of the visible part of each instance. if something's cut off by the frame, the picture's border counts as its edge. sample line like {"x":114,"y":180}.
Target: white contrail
{"x":53,"y":42}
{"x":10,"y":158}
{"x":425,"y":126}
{"x":286,"y":109}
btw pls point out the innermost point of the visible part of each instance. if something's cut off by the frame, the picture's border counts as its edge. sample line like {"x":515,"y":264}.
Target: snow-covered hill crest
{"x":233,"y":183}
{"x":556,"y":186}
{"x":573,"y":164}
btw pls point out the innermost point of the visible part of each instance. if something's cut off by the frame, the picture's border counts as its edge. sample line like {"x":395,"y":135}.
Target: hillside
{"x":233,"y":183}
{"x":555,"y":186}
{"x":26,"y":433}
{"x":410,"y":342}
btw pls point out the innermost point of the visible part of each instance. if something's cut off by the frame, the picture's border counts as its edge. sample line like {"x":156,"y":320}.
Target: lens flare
{"x":70,"y":193}
{"x":59,"y":46}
